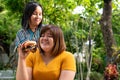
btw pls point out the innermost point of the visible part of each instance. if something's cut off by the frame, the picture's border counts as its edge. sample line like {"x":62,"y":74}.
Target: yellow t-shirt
{"x":51,"y":71}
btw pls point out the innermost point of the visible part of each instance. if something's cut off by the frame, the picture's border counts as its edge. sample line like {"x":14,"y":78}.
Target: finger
{"x":29,"y":43}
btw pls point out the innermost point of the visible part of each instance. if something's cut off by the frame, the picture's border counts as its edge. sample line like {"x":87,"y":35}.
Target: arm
{"x":67,"y":75}
{"x":68,"y":68}
{"x":23,"y":72}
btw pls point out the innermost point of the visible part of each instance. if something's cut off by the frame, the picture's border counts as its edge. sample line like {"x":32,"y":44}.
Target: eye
{"x":42,"y":35}
{"x":34,"y":13}
{"x":50,"y":35}
{"x":37,"y":14}
{"x":40,"y":13}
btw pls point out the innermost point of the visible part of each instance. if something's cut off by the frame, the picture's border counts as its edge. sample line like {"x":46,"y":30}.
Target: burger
{"x":29,"y":46}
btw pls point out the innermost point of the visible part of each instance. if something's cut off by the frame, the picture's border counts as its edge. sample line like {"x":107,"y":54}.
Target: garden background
{"x":91,"y":30}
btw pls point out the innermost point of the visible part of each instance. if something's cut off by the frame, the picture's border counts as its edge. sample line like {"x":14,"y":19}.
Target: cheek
{"x":31,"y":19}
{"x":41,"y":17}
{"x":52,"y":42}
{"x":39,"y":41}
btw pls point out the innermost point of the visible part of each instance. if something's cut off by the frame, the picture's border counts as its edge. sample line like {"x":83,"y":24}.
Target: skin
{"x":46,"y":43}
{"x":24,"y":73}
{"x":36,"y":18}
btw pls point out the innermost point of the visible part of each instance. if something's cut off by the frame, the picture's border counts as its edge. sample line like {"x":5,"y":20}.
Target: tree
{"x":106,"y":27}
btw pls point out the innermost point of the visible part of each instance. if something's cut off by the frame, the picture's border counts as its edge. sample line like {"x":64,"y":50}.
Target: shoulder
{"x":35,"y":54}
{"x":66,"y":54}
{"x":21,"y":31}
{"x":68,"y":61}
{"x":43,"y":25}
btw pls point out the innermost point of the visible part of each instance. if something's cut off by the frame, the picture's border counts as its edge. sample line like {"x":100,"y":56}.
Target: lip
{"x":44,"y":43}
{"x":37,"y":20}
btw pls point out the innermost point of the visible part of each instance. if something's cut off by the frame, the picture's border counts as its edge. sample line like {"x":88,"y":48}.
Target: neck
{"x":33,"y":28}
{"x":47,"y":58}
{"x":47,"y":55}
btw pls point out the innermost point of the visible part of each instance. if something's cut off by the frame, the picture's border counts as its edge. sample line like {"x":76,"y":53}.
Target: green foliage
{"x":7,"y":28}
{"x":76,"y":27}
{"x":116,"y":26}
{"x":16,"y":6}
{"x":9,"y":25}
{"x":57,"y":12}
{"x":98,"y":61}
{"x":1,"y":7}
{"x":96,"y":76}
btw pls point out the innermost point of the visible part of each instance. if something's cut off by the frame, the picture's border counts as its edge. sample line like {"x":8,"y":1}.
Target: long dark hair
{"x":28,"y":11}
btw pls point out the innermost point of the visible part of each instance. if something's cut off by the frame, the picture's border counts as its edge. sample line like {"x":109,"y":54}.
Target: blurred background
{"x":88,"y":26}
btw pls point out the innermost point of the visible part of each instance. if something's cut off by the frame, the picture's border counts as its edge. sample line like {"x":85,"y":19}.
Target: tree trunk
{"x":106,"y":28}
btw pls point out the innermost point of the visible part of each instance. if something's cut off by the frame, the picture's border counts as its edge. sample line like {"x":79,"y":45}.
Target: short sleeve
{"x":29,"y":60}
{"x":69,"y":62}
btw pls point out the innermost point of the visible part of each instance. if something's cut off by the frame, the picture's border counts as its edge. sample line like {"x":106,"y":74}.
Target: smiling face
{"x":46,"y":41}
{"x":51,"y":40}
{"x":36,"y":17}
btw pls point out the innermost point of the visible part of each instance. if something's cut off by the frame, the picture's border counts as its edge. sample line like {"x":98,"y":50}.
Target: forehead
{"x":47,"y":32}
{"x":38,"y":9}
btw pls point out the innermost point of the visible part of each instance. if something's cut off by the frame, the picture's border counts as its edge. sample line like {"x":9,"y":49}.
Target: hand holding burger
{"x":29,"y":46}
{"x":26,"y":47}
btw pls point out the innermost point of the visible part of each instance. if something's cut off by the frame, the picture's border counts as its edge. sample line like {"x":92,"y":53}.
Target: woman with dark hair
{"x":31,"y":23}
{"x":50,"y":61}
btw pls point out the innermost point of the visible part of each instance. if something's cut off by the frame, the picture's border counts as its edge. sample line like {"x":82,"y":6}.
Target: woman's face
{"x":36,"y":17}
{"x":46,"y":41}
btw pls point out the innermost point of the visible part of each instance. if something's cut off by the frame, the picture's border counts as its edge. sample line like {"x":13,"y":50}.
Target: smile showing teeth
{"x":37,"y":20}
{"x":45,"y":43}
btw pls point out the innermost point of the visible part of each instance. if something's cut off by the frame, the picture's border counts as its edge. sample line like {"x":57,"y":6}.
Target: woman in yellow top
{"x":50,"y":61}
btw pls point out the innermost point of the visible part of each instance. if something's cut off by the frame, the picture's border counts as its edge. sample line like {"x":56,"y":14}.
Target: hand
{"x":25,"y":48}
{"x":29,"y":46}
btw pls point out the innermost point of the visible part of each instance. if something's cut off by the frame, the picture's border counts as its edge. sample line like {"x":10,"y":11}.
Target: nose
{"x":45,"y":37}
{"x":38,"y":15}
